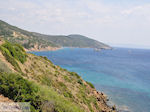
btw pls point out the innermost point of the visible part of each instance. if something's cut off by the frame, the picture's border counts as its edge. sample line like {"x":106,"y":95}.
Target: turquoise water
{"x":123,"y":74}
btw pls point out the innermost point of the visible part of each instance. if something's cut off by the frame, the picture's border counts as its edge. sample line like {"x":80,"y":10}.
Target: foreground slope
{"x":37,"y":41}
{"x":35,"y":79}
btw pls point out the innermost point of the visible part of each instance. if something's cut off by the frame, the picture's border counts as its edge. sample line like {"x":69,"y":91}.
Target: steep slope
{"x":37,"y":41}
{"x":37,"y":80}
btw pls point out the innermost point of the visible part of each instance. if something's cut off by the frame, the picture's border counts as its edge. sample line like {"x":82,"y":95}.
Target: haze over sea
{"x":122,"y":73}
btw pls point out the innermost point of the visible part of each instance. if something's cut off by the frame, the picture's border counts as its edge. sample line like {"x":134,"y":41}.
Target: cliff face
{"x":62,"y":90}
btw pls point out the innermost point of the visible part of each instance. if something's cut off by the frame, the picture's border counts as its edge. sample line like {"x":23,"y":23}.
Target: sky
{"x":115,"y":22}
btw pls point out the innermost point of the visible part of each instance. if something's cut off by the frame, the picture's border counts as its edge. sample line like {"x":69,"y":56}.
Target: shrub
{"x":46,"y":59}
{"x":18,"y":89}
{"x":80,"y":82}
{"x":62,"y":85}
{"x":13,"y":52}
{"x":46,"y":80}
{"x":75,"y":74}
{"x":67,"y":78}
{"x":66,"y":70}
{"x":4,"y":67}
{"x":59,"y":103}
{"x":68,"y":94}
{"x":16,"y":51}
{"x":9,"y":58}
{"x":90,"y":84}
{"x":20,"y":47}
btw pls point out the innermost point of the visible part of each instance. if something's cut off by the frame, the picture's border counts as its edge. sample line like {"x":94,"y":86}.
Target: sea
{"x":123,"y":74}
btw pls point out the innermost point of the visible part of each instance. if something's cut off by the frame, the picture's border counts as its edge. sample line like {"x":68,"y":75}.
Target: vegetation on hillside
{"x":41,"y":98}
{"x":90,"y":84}
{"x":35,"y":40}
{"x":73,"y":41}
{"x":46,"y":86}
{"x":25,"y":38}
{"x":4,"y":67}
{"x":13,"y":53}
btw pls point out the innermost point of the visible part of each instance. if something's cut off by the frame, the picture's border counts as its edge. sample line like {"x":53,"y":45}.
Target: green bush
{"x":20,"y":47}
{"x":46,"y":59}
{"x":60,"y":104}
{"x":16,"y":51}
{"x":68,"y":94}
{"x":62,"y":85}
{"x":18,"y":89}
{"x":75,"y":74}
{"x":46,"y":80}
{"x":80,"y":82}
{"x":4,"y":67}
{"x":9,"y":58}
{"x":90,"y":84}
{"x":13,"y":52}
{"x":67,"y":78}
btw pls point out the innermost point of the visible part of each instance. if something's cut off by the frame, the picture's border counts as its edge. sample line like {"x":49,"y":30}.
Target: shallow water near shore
{"x":123,"y":74}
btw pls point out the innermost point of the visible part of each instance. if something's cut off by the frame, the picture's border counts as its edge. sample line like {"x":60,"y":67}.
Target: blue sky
{"x":116,"y":22}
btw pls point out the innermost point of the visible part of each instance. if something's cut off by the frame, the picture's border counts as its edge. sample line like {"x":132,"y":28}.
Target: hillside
{"x":73,"y":41}
{"x":36,"y":41}
{"x":25,"y":38}
{"x":25,"y":77}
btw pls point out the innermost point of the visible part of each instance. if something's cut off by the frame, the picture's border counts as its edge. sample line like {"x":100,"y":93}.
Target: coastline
{"x":96,"y":100}
{"x":101,"y":97}
{"x":43,"y":49}
{"x":119,"y":108}
{"x":58,"y":48}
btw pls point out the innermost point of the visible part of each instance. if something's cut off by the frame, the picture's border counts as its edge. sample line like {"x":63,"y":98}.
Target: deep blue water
{"x":123,"y":74}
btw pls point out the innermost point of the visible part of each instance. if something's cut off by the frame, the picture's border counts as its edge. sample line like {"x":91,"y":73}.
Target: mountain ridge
{"x":33,"y":41}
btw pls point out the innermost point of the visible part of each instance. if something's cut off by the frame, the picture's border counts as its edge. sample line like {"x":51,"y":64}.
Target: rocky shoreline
{"x":43,"y":49}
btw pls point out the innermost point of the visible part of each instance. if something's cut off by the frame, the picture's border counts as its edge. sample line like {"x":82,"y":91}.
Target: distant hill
{"x":37,"y":41}
{"x":73,"y":41}
{"x":25,"y":38}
